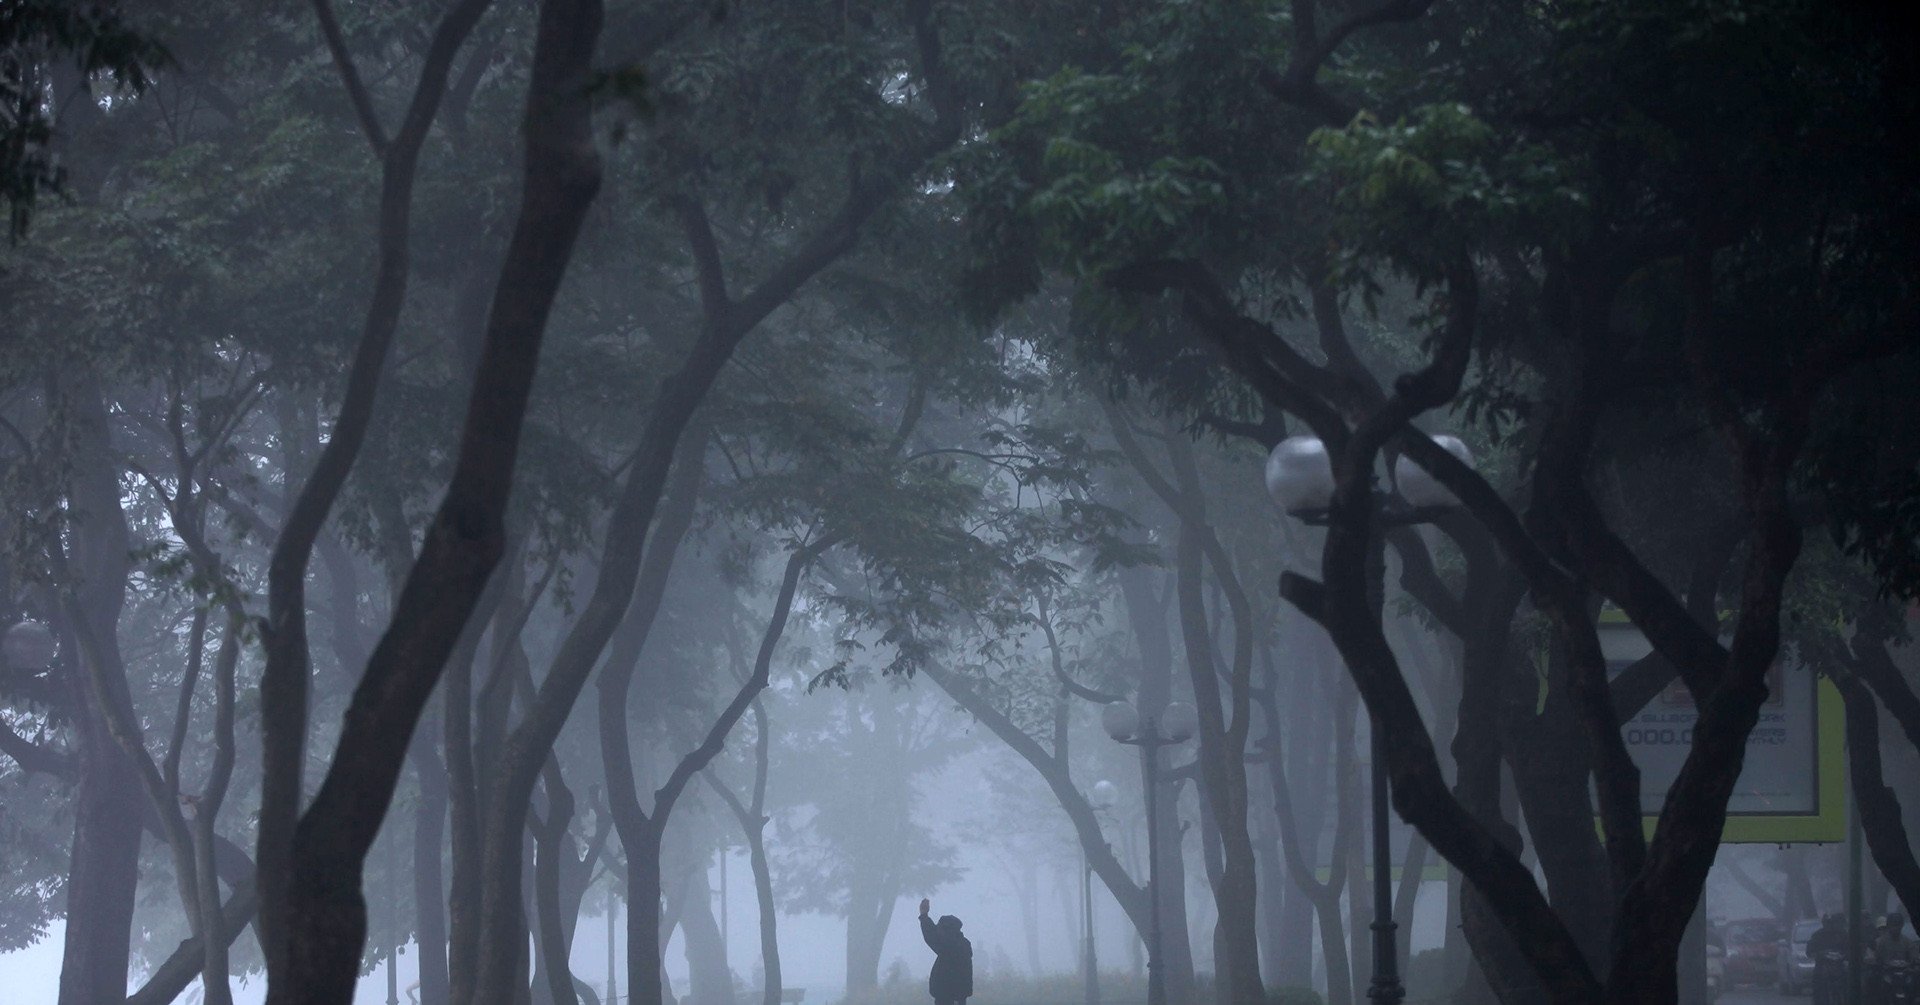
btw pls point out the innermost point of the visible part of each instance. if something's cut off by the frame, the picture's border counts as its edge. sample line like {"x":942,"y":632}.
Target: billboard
{"x":1792,"y":784}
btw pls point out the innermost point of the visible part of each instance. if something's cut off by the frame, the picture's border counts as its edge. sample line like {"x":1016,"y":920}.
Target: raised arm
{"x":928,"y":930}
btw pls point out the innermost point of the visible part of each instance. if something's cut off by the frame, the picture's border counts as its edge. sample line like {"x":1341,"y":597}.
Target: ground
{"x":1747,"y":996}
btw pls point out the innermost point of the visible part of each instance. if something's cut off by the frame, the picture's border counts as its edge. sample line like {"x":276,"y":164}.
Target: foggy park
{"x":1009,"y":502}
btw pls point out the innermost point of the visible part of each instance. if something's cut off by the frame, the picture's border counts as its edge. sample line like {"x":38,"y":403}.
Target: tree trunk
{"x":1301,"y":845}
{"x":104,"y":868}
{"x":1029,"y":893}
{"x":1551,"y":765}
{"x":1360,"y":881}
{"x":1294,"y":965}
{"x":1492,"y":595}
{"x":1146,"y":615}
{"x":178,"y":970}
{"x":1879,"y":808}
{"x":1224,"y":720}
{"x":628,"y":817}
{"x":1176,"y":940}
{"x":769,"y":919}
{"x":753,"y":824}
{"x":103,"y":872}
{"x":315,"y":861}
{"x":285,"y":680}
{"x":463,"y":808}
{"x":551,"y":845}
{"x":646,"y":978}
{"x":429,"y":887}
{"x":1273,"y":905}
{"x":1407,"y":898}
{"x":214,"y":972}
{"x":710,"y":978}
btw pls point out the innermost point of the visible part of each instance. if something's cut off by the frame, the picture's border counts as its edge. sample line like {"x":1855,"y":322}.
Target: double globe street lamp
{"x":1300,"y":480}
{"x":1174,"y":724}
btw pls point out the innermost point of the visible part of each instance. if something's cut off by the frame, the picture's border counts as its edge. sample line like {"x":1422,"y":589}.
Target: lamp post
{"x":1174,"y":724}
{"x":393,"y":920}
{"x":1300,"y":480}
{"x":613,"y":914}
{"x":1101,"y":797}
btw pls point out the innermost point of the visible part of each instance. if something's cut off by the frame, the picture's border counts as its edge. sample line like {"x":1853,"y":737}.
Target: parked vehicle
{"x":1753,"y":951}
{"x":1796,"y":965}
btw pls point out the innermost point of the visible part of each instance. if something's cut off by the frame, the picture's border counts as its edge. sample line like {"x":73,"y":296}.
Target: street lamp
{"x":1300,"y":480}
{"x":1100,"y":798}
{"x":1176,"y":723}
{"x":29,"y":647}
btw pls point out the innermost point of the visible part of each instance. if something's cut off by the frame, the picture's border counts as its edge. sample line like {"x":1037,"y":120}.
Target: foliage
{"x":35,"y":35}
{"x":1432,"y":186}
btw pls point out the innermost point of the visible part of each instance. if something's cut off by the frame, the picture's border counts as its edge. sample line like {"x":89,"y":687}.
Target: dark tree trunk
{"x":646,"y":978}
{"x":103,"y":872}
{"x":1550,"y":767}
{"x":463,"y":806}
{"x":1880,"y":817}
{"x":285,"y":680}
{"x":769,"y":916}
{"x":1492,"y":595}
{"x":319,"y":915}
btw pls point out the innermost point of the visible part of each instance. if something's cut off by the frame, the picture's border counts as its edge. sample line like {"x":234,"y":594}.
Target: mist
{"x":575,"y":502}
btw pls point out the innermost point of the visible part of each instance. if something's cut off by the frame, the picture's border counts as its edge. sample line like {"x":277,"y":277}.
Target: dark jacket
{"x":1826,"y":939}
{"x":952,"y":976}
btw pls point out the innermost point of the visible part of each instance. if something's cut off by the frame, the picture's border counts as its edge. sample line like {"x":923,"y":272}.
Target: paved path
{"x":1746,"y":996}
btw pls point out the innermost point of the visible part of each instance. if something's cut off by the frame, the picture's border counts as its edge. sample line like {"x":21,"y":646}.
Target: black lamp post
{"x":1300,"y":479}
{"x":1175,"y":723}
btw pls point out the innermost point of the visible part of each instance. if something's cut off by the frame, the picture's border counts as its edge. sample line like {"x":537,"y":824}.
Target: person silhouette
{"x":951,"y":982}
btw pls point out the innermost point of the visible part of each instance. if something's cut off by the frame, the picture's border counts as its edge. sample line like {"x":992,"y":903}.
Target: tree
{"x":310,"y":861}
{"x":1435,"y":194}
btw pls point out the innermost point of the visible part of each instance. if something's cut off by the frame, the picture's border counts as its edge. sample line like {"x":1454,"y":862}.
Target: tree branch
{"x":34,"y":757}
{"x":1298,"y":84}
{"x":350,"y":77}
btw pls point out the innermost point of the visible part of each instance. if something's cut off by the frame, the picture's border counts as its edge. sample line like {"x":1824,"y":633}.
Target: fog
{"x":1231,"y":502}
